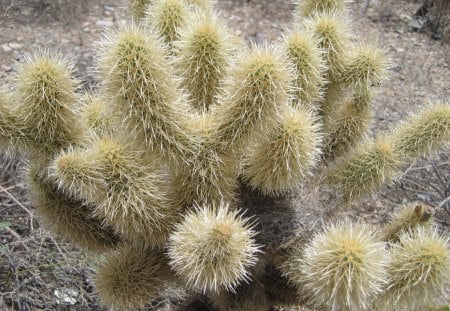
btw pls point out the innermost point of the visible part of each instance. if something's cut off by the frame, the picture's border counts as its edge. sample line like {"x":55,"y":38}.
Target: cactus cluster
{"x":224,"y":169}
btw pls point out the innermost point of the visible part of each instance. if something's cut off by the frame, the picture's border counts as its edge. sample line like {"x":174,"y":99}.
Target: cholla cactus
{"x":221,"y":169}
{"x":342,"y":268}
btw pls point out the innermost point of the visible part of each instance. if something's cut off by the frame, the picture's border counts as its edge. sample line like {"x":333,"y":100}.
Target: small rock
{"x":66,"y":296}
{"x":6,"y":68}
{"x":6,"y":48}
{"x":405,"y":17}
{"x":104,"y":23}
{"x":424,"y":197}
{"x":16,"y":46}
{"x":400,"y":31}
{"x":85,"y":24}
{"x":109,"y":8}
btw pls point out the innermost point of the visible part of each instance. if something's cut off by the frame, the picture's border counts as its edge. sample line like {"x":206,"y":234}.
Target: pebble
{"x":6,"y":68}
{"x":66,"y":296}
{"x":109,"y":8}
{"x":16,"y":46}
{"x":405,"y":17}
{"x":6,"y":48}
{"x":104,"y":23}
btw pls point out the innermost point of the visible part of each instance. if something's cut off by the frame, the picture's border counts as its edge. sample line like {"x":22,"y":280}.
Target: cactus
{"x":167,"y":17}
{"x":419,"y":269}
{"x":137,"y":8}
{"x":309,"y":7}
{"x":204,"y":57}
{"x":292,"y":147}
{"x":201,"y":163}
{"x":410,"y":217}
{"x":213,"y":248}
{"x":342,"y":268}
{"x":130,"y":276}
{"x":307,"y":58}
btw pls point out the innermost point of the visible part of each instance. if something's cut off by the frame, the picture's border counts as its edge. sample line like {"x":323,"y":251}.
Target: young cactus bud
{"x":131,"y":276}
{"x":69,"y":218}
{"x":333,"y":35}
{"x":167,"y":17}
{"x":277,"y":166}
{"x":253,"y":100}
{"x":349,"y":125}
{"x":308,"y":8}
{"x":203,"y":57}
{"x":136,"y":73}
{"x":409,"y":218}
{"x":424,"y":132}
{"x":303,"y":52}
{"x":95,"y":116}
{"x":365,"y":68}
{"x":364,"y":170}
{"x":213,"y":248}
{"x":45,"y":93}
{"x":137,"y":8}
{"x":418,"y":271}
{"x":343,"y":268}
{"x":77,"y":173}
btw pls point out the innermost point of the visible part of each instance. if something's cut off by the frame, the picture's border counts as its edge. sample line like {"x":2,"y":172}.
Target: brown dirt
{"x":35,"y":269}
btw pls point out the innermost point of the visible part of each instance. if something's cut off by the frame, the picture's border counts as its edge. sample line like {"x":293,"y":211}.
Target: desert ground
{"x":40,"y":272}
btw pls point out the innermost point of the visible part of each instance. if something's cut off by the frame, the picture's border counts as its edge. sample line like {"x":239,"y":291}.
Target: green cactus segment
{"x":342,"y":268}
{"x":203,"y":60}
{"x":12,"y":135}
{"x":253,"y":100}
{"x":137,"y":8}
{"x":213,"y":248}
{"x":423,"y":132}
{"x":419,"y":270}
{"x":308,"y":8}
{"x":69,"y":218}
{"x":364,"y":170}
{"x":46,"y":102}
{"x":333,"y":35}
{"x":279,"y":164}
{"x":127,"y":198}
{"x":366,"y":67}
{"x":412,"y":216}
{"x":212,"y":177}
{"x":131,"y":276}
{"x":136,"y":73}
{"x":95,"y":116}
{"x":308,"y":62}
{"x":77,"y":174}
{"x":167,"y":17}
{"x":348,"y":126}
{"x":133,"y":200}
